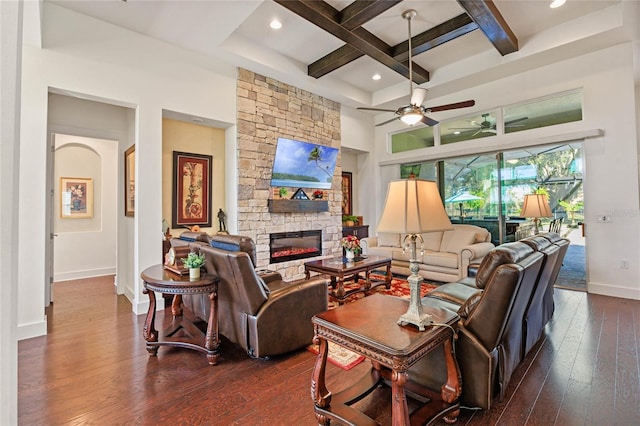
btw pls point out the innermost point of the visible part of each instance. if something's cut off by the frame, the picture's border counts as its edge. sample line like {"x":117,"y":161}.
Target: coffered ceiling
{"x":482,"y":37}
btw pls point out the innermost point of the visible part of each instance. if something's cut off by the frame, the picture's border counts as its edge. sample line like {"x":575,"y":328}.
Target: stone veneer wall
{"x":268,"y":109}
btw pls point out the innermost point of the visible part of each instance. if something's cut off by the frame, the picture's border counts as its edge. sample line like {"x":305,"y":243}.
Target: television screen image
{"x":303,"y":164}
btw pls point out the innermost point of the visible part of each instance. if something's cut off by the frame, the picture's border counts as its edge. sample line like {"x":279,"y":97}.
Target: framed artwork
{"x":191,"y":200}
{"x":347,"y":204}
{"x":76,"y":198}
{"x":130,"y":181}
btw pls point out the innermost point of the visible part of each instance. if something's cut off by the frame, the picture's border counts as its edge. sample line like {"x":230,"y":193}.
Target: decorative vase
{"x":194,"y":273}
{"x":350,"y":254}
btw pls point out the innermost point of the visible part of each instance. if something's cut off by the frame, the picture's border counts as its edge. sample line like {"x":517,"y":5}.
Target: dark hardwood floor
{"x":93,"y":368}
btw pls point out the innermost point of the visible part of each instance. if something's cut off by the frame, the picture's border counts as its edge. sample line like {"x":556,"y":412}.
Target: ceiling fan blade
{"x":376,"y":109}
{"x":515,"y":120}
{"x":387,"y":122}
{"x":418,"y":96}
{"x":463,"y":104}
{"x":429,"y":121}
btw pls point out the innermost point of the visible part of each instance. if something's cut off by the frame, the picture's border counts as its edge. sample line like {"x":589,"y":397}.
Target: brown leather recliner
{"x":490,"y":337}
{"x":265,"y":319}
{"x":541,"y":305}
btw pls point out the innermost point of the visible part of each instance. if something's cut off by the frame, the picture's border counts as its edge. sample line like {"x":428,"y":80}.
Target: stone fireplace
{"x":286,"y":246}
{"x":268,"y":109}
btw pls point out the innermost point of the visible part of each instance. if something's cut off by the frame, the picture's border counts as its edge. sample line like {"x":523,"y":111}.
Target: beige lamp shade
{"x":535,"y":205}
{"x":413,"y":206}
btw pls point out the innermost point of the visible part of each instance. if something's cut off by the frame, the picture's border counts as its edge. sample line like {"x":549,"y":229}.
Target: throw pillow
{"x":455,"y":241}
{"x":432,"y":240}
{"x":388,"y":240}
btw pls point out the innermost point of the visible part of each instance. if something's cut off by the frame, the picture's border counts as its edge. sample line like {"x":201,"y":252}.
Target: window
{"x":556,"y":109}
{"x":488,"y":190}
{"x":413,"y":139}
{"x":471,"y":127}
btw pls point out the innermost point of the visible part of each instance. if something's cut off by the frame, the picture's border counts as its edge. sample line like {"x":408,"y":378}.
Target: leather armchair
{"x":265,"y":319}
{"x":490,"y":335}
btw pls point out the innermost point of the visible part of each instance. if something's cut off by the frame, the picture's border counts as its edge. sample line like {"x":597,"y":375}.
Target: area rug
{"x":345,"y":358}
{"x":399,"y":287}
{"x":337,"y":355}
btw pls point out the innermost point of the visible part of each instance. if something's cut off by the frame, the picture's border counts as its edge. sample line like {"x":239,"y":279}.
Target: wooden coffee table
{"x":339,"y":269}
{"x":369,"y":327}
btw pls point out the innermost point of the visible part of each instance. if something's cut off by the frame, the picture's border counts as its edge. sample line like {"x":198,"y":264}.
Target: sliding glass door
{"x":488,"y":190}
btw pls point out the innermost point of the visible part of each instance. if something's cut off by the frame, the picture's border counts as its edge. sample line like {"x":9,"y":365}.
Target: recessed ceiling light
{"x":275,"y":24}
{"x":557,"y":3}
{"x":376,"y":77}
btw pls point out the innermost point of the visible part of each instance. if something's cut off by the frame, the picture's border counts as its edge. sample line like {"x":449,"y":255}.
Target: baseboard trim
{"x":613,"y":291}
{"x":27,"y":331}
{"x":89,"y":273}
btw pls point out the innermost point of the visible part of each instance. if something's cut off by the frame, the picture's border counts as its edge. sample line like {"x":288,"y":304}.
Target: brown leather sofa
{"x":503,"y":312}
{"x":489,"y":344}
{"x":260,"y":312}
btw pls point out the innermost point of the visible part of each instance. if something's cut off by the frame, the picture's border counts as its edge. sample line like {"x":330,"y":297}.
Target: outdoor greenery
{"x":555,"y":171}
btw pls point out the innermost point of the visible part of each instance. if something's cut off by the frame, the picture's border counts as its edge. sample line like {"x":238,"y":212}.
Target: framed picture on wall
{"x":191,"y":199}
{"x":76,"y":198}
{"x":347,"y":203}
{"x":130,"y":181}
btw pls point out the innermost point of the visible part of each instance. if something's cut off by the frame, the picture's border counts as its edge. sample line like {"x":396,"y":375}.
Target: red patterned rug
{"x":399,"y":287}
{"x":345,"y":358}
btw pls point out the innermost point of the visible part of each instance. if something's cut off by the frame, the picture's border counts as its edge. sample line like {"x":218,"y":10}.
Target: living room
{"x":78,"y":56}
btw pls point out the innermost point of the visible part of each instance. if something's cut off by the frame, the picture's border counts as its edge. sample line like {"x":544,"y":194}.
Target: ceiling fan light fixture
{"x":411,"y":118}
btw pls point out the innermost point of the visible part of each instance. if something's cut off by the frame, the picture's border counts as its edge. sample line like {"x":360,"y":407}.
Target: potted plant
{"x":350,"y":220}
{"x":194,"y":261}
{"x":282,"y":192}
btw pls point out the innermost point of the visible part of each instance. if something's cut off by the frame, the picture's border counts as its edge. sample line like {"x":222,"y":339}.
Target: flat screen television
{"x":303,"y":164}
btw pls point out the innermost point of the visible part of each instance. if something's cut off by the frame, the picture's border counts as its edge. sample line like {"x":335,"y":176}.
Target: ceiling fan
{"x":415,"y":112}
{"x":488,"y":125}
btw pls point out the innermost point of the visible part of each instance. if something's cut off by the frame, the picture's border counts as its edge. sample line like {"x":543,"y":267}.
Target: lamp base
{"x":414,"y":314}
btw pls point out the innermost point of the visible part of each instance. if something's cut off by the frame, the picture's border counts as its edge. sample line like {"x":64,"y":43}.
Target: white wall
{"x":611,"y":182}
{"x":10,"y":81}
{"x":357,"y":133}
{"x":86,"y":247}
{"x":121,"y":68}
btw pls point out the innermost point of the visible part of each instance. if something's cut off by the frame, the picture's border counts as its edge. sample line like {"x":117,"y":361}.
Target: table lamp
{"x":535,"y":206}
{"x":412,"y":207}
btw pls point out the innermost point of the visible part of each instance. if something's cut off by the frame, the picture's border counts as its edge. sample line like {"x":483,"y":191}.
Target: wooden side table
{"x":158,"y":279}
{"x":369,"y":327}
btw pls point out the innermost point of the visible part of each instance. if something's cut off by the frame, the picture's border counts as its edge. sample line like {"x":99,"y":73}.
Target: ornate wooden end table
{"x":369,"y":327}
{"x":158,"y":279}
{"x":338,"y":270}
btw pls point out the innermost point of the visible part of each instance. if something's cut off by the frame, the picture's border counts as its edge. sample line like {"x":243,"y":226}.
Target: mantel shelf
{"x":298,"y":206}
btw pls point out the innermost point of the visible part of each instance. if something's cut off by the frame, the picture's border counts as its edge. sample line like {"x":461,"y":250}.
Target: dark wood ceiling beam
{"x":492,"y":23}
{"x":436,"y":36}
{"x":324,"y":16}
{"x":361,"y":11}
{"x":420,"y":43}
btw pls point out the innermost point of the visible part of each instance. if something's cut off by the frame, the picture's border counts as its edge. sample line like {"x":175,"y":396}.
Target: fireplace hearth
{"x":286,"y":246}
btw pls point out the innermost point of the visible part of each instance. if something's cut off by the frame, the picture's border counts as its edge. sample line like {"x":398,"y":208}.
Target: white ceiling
{"x":238,"y":32}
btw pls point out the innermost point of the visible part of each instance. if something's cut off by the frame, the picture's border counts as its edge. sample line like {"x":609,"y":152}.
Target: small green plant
{"x":194,"y":260}
{"x":282,"y":192}
{"x":350,"y":218}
